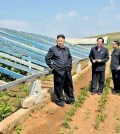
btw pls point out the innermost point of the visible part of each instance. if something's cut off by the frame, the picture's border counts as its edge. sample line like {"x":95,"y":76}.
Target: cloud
{"x":112,"y":1}
{"x":104,"y":22}
{"x":117,"y":17}
{"x":14,"y":24}
{"x":85,"y":18}
{"x":48,"y":26}
{"x":65,"y":16}
{"x":59,"y":17}
{"x":109,"y":7}
{"x":72,"y":14}
{"x":40,"y":16}
{"x":85,"y":32}
{"x":106,"y":15}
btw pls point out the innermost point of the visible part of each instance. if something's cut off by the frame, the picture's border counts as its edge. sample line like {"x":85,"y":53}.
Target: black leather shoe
{"x":93,"y":93}
{"x":115,"y":92}
{"x":61,"y":105}
{"x":69,"y":102}
{"x":99,"y":93}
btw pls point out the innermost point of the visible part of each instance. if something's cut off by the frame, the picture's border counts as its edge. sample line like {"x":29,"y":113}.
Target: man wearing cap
{"x":115,"y":67}
{"x":59,"y":59}
{"x":99,"y":55}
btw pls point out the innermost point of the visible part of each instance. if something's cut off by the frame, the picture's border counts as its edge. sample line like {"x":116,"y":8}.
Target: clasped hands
{"x":97,"y":60}
{"x":118,"y":68}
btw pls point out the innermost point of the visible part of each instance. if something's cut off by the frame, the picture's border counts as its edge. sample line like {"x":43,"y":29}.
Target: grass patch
{"x":84,"y":64}
{"x":78,"y":103}
{"x":10,"y":100}
{"x":104,"y":97}
{"x":109,"y":47}
{"x":102,"y":116}
{"x":5,"y":110}
{"x":25,"y":89}
{"x":17,"y":100}
{"x":47,"y":78}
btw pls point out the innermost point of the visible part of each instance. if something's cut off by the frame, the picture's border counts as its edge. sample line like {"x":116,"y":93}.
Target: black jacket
{"x":115,"y":59}
{"x":59,"y":59}
{"x":103,"y":54}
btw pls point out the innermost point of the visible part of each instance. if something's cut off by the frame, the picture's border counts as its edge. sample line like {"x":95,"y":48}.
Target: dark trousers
{"x":116,"y":80}
{"x":60,"y":83}
{"x":98,"y":78}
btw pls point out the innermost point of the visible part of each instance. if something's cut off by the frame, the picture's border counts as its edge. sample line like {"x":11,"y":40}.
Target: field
{"x":89,"y":114}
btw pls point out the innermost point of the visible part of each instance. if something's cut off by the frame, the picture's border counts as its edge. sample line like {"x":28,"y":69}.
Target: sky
{"x":73,"y":18}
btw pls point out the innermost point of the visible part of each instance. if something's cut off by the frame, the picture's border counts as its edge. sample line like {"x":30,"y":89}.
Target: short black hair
{"x":61,"y":36}
{"x":117,"y":42}
{"x":101,"y":39}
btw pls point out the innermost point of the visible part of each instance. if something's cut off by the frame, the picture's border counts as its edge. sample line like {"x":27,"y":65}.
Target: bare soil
{"x":48,"y":120}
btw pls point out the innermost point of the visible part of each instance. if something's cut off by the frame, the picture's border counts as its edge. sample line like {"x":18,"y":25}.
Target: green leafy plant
{"x":17,"y":100}
{"x":4,"y":95}
{"x":80,"y":100}
{"x":18,"y":129}
{"x":25,"y":89}
{"x":104,"y":97}
{"x":100,"y":118}
{"x":5,"y":110}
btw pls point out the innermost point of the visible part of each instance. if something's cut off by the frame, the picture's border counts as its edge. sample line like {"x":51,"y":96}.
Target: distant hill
{"x":111,"y":36}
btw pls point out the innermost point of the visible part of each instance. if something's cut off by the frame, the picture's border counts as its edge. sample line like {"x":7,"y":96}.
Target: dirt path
{"x":84,"y":120}
{"x":48,"y":120}
{"x":112,"y":110}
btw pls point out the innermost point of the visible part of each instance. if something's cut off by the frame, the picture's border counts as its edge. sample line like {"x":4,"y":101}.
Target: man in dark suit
{"x":115,"y":67}
{"x":59,"y":59}
{"x":99,"y":55}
